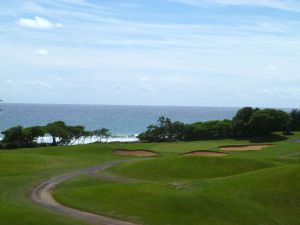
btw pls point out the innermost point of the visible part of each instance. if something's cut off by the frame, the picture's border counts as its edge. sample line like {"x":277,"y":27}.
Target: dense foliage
{"x":295,"y":119}
{"x":61,"y":134}
{"x":166,"y":130}
{"x":248,"y":122}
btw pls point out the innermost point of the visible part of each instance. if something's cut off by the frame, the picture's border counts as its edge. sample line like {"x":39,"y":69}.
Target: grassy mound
{"x":174,"y":168}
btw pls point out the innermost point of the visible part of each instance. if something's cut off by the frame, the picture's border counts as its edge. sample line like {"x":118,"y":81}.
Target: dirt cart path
{"x":42,"y":195}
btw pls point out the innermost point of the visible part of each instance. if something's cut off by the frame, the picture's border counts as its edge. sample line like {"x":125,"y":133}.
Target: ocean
{"x":125,"y":122}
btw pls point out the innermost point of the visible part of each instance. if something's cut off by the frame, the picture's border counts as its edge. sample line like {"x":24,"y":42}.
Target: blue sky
{"x":158,"y":52}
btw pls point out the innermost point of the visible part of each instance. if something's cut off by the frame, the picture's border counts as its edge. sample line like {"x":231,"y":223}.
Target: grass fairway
{"x":243,"y":188}
{"x":259,"y":187}
{"x":187,"y":168}
{"x":22,"y":169}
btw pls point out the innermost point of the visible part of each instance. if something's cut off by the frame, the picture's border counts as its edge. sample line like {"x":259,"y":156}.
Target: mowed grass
{"x":269,"y":196}
{"x":188,"y":167}
{"x":172,"y":189}
{"x":243,"y":188}
{"x":21,"y":170}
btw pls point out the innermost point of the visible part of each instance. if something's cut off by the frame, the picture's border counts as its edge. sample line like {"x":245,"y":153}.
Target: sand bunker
{"x":135,"y":152}
{"x":205,"y":153}
{"x":243,"y":147}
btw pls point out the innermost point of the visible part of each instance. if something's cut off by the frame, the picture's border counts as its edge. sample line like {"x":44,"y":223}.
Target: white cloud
{"x":38,"y":23}
{"x":43,"y":52}
{"x":289,"y":5}
{"x":9,"y":83}
{"x":222,"y":58}
{"x":38,"y":83}
{"x":272,"y":67}
{"x":143,"y":78}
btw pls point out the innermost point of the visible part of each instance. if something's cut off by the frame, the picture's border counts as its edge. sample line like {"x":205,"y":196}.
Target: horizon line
{"x":150,"y":105}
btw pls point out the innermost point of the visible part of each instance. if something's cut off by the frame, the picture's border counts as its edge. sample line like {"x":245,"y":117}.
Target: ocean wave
{"x":93,"y":139}
{"x":113,"y":138}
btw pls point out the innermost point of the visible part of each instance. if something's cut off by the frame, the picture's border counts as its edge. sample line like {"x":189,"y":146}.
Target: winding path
{"x":42,"y":195}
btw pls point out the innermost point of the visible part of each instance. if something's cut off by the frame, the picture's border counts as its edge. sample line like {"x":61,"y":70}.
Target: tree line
{"x":60,"y":133}
{"x":248,"y":122}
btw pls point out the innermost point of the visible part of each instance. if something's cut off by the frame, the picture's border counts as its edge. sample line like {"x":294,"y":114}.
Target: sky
{"x":159,"y":52}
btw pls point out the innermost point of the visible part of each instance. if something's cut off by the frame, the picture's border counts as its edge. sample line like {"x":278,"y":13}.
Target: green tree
{"x":165,"y":130}
{"x":31,"y":134}
{"x":240,"y":123}
{"x":58,"y":131}
{"x":102,"y":133}
{"x":295,"y":119}
{"x":214,"y":129}
{"x":74,"y":134}
{"x":266,"y":121}
{"x":106,"y":133}
{"x":13,"y":137}
{"x":86,"y":134}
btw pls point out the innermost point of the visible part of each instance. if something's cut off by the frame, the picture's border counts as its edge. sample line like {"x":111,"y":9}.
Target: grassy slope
{"x":20,"y":170}
{"x":247,"y":188}
{"x":188,"y":167}
{"x":267,"y":197}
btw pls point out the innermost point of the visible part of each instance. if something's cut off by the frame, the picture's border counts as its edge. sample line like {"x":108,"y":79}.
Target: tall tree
{"x":240,"y":122}
{"x":74,"y":134}
{"x":31,"y":134}
{"x":58,"y":131}
{"x":266,"y":121}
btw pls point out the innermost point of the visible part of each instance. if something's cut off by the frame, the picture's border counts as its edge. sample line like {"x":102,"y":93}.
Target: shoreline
{"x":84,"y":141}
{"x":81,"y":141}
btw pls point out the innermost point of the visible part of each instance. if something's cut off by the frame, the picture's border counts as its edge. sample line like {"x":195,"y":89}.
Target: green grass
{"x":260,"y":187}
{"x":244,"y":188}
{"x":262,"y":197}
{"x":188,"y":167}
{"x":21,"y":169}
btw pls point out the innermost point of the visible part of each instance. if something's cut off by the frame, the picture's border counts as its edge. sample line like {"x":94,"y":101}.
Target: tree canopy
{"x":60,"y":133}
{"x":248,"y":122}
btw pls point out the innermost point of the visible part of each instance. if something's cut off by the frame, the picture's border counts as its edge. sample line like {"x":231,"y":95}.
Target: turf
{"x":260,"y":187}
{"x":244,"y":188}
{"x":21,"y":169}
{"x":189,"y":167}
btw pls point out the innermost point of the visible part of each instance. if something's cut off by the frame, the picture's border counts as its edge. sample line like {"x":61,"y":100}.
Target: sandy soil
{"x":244,"y":147}
{"x":205,"y":153}
{"x":42,"y":195}
{"x":143,"y":153}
